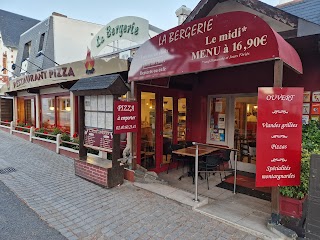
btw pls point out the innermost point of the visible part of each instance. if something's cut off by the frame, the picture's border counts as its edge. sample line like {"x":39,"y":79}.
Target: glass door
{"x":148,"y":130}
{"x":167,"y":128}
{"x":245,"y":131}
{"x":163,"y":122}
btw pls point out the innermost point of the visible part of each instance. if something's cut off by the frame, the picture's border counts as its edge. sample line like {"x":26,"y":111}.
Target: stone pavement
{"x":79,"y":209}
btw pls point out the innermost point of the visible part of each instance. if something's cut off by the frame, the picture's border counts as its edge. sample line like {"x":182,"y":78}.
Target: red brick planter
{"x":21,"y":135}
{"x":104,"y":176}
{"x":5,"y":129}
{"x":129,"y":174}
{"x":49,"y":145}
{"x":291,"y":207}
{"x":69,"y":154}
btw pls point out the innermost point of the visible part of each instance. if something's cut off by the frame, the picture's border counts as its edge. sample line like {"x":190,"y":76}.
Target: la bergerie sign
{"x":134,"y":29}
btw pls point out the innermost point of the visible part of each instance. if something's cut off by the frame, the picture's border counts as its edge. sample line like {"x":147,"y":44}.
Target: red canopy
{"x":220,"y":41}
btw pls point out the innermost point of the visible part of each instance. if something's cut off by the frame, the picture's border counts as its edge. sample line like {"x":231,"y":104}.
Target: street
{"x":18,"y":221}
{"x":79,"y":209}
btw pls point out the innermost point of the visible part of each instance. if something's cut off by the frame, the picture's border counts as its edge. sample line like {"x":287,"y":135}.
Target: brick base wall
{"x":21,"y":135}
{"x":5,"y":129}
{"x":91,"y":172}
{"x":68,"y":153}
{"x":48,"y":145}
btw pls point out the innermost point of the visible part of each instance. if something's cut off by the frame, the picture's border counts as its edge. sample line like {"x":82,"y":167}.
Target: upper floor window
{"x":41,"y":42}
{"x":26,"y":50}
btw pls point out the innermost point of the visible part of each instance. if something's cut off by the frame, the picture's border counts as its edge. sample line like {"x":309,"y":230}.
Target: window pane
{"x":182,"y":119}
{"x":167,"y":128}
{"x":217,"y":120}
{"x":148,"y":128}
{"x":48,"y":112}
{"x":63,"y":113}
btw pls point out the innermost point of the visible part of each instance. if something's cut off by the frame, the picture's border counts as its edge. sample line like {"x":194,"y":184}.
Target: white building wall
{"x":72,"y":37}
{"x":11,"y":58}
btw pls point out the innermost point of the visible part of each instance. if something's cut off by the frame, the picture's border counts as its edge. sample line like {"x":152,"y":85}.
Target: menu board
{"x":98,"y":138}
{"x":279,"y":137}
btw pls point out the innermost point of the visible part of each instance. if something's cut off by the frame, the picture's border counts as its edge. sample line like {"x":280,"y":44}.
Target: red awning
{"x":220,"y":41}
{"x":288,"y":54}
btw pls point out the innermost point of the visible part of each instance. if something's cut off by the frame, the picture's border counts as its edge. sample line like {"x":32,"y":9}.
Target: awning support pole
{"x":275,"y":191}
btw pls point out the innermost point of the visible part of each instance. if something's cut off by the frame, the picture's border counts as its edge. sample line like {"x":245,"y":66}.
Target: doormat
{"x":246,"y":185}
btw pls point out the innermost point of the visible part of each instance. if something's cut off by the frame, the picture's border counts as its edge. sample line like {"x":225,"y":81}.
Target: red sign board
{"x":98,"y":138}
{"x":125,"y":117}
{"x":213,"y":42}
{"x":279,"y":137}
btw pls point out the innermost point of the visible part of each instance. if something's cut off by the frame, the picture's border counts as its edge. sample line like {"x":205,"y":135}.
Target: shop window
{"x":217,"y":120}
{"x":63,"y":113}
{"x":48,"y":112}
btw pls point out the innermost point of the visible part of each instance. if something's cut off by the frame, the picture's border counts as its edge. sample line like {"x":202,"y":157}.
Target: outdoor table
{"x":191,"y":152}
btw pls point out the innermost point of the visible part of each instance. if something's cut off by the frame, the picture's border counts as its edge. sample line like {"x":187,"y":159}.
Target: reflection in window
{"x":48,"y":112}
{"x":148,"y":127}
{"x":63,"y":112}
{"x":182,"y":119}
{"x":26,"y":111}
{"x":217,"y":119}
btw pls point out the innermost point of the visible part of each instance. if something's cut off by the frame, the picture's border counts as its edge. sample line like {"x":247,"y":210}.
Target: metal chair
{"x":166,"y":149}
{"x":244,"y":151}
{"x":174,"y":157}
{"x":211,"y":164}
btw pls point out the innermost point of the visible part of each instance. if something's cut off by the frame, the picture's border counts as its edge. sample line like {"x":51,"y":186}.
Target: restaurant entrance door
{"x":163,"y":122}
{"x":245,"y":129}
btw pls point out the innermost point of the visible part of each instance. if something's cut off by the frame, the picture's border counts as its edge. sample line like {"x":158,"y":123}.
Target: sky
{"x":159,"y":13}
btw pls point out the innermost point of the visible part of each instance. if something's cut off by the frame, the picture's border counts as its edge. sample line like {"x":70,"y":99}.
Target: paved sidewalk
{"x":82,"y":210}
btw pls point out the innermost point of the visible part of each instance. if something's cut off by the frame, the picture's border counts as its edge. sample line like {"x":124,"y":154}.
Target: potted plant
{"x":293,"y":199}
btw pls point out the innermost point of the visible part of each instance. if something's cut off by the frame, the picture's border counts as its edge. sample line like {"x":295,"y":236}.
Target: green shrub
{"x":300,"y":191}
{"x":310,"y":145}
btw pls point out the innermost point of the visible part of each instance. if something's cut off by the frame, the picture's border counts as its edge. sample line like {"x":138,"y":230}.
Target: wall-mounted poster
{"x":221,"y":121}
{"x":306,"y":96}
{"x":305,"y":119}
{"x":316,"y":96}
{"x":314,"y":118}
{"x":306,"y":108}
{"x":315,"y":108}
{"x":218,"y":106}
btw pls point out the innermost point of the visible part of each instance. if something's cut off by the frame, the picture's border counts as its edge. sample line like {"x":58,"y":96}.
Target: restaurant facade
{"x":199,"y":82}
{"x":41,"y":96}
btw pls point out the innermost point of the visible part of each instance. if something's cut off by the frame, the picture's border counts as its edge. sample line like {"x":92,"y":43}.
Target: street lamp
{"x":41,"y":53}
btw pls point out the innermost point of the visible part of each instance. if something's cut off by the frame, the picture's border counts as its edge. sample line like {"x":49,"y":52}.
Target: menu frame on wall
{"x":279,"y":136}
